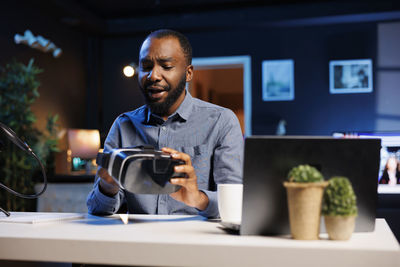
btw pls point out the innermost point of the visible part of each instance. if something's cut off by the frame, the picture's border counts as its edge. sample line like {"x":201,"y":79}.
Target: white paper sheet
{"x":24,"y":217}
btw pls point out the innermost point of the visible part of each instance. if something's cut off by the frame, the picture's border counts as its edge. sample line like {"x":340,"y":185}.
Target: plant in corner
{"x":18,"y":91}
{"x":339,"y":208}
{"x":305,"y":188}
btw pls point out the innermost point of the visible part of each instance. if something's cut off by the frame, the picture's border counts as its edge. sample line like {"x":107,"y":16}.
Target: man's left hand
{"x":189,"y":193}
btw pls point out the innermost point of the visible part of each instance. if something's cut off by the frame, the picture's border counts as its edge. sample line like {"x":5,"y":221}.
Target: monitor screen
{"x":389,"y":170}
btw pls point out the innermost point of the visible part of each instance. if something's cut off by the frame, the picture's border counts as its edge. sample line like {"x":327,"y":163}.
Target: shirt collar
{"x":183,"y":110}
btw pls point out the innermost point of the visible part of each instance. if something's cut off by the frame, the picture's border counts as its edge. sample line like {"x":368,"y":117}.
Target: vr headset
{"x":141,"y":170}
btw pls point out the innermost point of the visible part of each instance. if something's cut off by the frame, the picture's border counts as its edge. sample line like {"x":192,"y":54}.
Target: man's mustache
{"x":155,"y":86}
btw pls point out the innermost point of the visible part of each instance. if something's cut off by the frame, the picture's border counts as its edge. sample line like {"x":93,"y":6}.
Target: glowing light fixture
{"x":84,"y":143}
{"x":130,"y":70}
{"x":83,"y":146}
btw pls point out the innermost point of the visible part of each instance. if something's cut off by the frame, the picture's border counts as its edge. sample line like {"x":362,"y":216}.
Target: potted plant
{"x":18,"y":91}
{"x":305,"y":188}
{"x":339,"y":208}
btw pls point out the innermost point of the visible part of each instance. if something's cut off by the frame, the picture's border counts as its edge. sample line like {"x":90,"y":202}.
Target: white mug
{"x":230,"y":202}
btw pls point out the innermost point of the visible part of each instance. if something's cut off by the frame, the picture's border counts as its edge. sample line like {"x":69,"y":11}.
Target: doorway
{"x":225,"y":81}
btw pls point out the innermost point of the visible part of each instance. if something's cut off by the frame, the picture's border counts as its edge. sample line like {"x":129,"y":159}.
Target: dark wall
{"x":313,"y":112}
{"x":63,"y":82}
{"x":120,"y":94}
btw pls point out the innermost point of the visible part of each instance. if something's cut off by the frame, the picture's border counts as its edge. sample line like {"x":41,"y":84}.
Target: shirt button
{"x":163,"y":128}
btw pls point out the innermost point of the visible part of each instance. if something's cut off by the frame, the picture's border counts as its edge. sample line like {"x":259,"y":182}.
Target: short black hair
{"x":183,"y":41}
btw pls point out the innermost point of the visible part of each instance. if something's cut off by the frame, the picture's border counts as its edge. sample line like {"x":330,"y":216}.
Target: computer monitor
{"x":389,"y":167}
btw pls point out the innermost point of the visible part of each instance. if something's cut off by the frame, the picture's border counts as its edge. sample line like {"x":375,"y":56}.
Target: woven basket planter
{"x":340,"y":227}
{"x":304,"y":203}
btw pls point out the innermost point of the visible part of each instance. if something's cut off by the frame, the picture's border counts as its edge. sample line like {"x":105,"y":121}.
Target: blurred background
{"x":86,"y":86}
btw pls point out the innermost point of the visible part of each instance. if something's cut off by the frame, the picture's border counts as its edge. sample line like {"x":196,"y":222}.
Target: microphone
{"x":12,"y":136}
{"x":1,"y":145}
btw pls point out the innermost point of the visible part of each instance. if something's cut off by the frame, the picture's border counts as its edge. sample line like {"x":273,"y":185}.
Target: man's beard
{"x":162,"y":108}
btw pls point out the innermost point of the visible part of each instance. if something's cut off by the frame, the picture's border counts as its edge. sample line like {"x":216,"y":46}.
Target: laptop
{"x":268,"y":159}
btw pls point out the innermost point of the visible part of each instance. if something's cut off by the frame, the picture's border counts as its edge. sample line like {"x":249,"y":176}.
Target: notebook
{"x":42,"y":217}
{"x":268,"y":159}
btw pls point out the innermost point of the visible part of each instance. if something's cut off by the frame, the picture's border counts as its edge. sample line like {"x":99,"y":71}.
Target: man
{"x":206,"y":137}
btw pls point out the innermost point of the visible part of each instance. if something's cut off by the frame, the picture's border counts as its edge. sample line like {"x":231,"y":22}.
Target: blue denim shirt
{"x":210,"y":134}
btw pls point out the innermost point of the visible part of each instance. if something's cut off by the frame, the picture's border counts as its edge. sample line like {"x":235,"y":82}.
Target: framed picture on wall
{"x":350,"y":76}
{"x":278,"y":80}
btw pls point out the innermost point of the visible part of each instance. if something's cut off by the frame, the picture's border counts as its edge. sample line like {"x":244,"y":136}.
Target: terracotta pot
{"x":340,"y":227}
{"x":304,"y":203}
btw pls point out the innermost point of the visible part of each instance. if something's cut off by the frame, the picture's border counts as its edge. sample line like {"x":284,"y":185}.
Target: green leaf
{"x":305,"y":174}
{"x":339,"y":198}
{"x":19,"y":89}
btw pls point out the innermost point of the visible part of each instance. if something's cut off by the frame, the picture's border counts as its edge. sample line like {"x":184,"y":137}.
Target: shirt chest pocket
{"x":201,"y":161}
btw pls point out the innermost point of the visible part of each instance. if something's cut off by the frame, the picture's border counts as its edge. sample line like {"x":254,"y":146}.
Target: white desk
{"x":185,"y":241}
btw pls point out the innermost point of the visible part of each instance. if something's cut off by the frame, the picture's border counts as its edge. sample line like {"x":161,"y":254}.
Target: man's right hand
{"x":107,"y":185}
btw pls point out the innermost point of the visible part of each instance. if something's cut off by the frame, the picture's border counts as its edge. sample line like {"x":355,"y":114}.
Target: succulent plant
{"x":305,"y":174}
{"x":339,"y":198}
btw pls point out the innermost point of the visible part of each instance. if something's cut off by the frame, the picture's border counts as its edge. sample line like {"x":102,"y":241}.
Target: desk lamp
{"x":83,"y":146}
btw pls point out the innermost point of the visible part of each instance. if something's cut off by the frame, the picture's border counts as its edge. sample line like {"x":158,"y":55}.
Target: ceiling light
{"x":130,"y":70}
